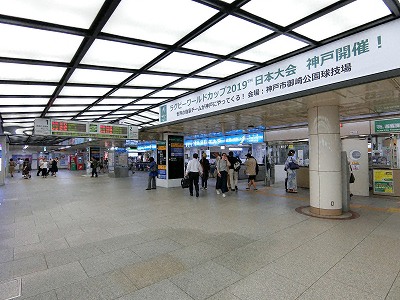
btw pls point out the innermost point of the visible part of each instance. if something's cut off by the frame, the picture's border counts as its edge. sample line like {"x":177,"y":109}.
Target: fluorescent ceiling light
{"x":227,"y":36}
{"x":350,"y":16}
{"x":285,"y":12}
{"x":272,"y":49}
{"x":108,"y":107}
{"x":61,"y":114}
{"x":192,"y":83}
{"x":29,"y":43}
{"x":71,"y":13}
{"x":97,"y":77}
{"x":149,"y":114}
{"x":92,"y":113}
{"x":21,"y":115}
{"x":225,"y":68}
{"x":17,"y":109}
{"x":141,"y":119}
{"x":120,"y":101}
{"x":115,"y":54}
{"x":157,"y":20}
{"x":10,"y":71}
{"x":83,"y":91}
{"x":17,"y":89}
{"x":235,"y":149}
{"x":181,"y":63}
{"x":135,"y":107}
{"x":18,"y":121}
{"x":152,"y":80}
{"x":132,"y":92}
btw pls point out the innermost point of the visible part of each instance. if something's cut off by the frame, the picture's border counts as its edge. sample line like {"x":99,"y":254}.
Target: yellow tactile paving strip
{"x":269,"y":192}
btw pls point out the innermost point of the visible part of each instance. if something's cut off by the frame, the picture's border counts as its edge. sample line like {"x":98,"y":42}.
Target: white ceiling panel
{"x":285,"y":12}
{"x":74,"y":101}
{"x":273,"y":48}
{"x":115,"y":54}
{"x":181,"y":63}
{"x":227,"y":36}
{"x":83,"y":91}
{"x":77,"y":109}
{"x":24,"y":101}
{"x":132,"y":92}
{"x":352,"y":15}
{"x":169,"y":93}
{"x":121,"y":101}
{"x":74,"y":13}
{"x":10,"y":71}
{"x":192,"y":83}
{"x":21,"y":42}
{"x":98,"y":77}
{"x":5,"y":109}
{"x":157,"y":20}
{"x":225,"y":68}
{"x":106,"y":107}
{"x":17,"y":89}
{"x":150,"y":101}
{"x":152,"y":80}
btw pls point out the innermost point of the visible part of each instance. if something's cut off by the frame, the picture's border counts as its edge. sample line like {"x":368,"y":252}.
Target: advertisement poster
{"x":175,"y":157}
{"x":162,"y":159}
{"x":383,"y":181}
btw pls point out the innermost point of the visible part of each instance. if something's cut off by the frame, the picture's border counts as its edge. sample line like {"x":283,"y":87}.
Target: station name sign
{"x":84,"y":129}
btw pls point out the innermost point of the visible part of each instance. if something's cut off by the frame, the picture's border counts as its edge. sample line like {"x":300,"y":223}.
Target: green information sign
{"x":392,"y":125}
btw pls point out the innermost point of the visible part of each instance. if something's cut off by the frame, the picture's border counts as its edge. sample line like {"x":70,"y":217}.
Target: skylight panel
{"x":192,"y":83}
{"x":92,"y":113}
{"x":115,"y":54}
{"x":350,"y":16}
{"x":181,"y":63}
{"x":26,"y":115}
{"x":121,"y":101}
{"x":10,"y":120}
{"x":58,"y":114}
{"x":224,"y":69}
{"x":24,"y":101}
{"x":98,"y":77}
{"x":83,"y":91}
{"x":272,"y":49}
{"x":132,"y":92}
{"x":157,"y":20}
{"x":105,"y":107}
{"x":10,"y":71}
{"x":128,"y":112}
{"x":29,"y":43}
{"x":136,"y":107}
{"x":17,"y":89}
{"x":71,"y":13}
{"x":152,"y":80}
{"x":227,"y":36}
{"x":18,"y":109}
{"x":285,"y":12}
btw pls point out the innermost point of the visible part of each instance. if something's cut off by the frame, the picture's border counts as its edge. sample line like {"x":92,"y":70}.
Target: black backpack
{"x":257,"y":168}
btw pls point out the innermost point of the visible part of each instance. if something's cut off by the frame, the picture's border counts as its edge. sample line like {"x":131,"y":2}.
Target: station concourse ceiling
{"x":118,"y":60}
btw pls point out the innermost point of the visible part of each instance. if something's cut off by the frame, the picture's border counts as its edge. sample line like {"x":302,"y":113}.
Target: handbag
{"x":185,"y":183}
{"x":352,"y":178}
{"x":293,"y":166}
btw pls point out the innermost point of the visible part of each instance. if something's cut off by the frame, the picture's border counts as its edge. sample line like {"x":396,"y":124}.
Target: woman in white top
{"x":194,"y":170}
{"x":43,"y":167}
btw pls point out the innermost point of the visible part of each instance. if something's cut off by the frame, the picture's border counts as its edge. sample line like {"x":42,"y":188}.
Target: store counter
{"x":386,"y":181}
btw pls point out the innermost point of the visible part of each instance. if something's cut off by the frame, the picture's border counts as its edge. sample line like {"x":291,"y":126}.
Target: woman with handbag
{"x":291,"y":165}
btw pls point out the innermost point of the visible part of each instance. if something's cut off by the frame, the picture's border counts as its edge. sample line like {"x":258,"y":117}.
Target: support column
{"x":325,"y":160}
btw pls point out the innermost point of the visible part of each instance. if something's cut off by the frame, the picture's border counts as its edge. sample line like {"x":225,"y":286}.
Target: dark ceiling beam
{"x":394,"y":6}
{"x":101,"y":19}
{"x":24,"y":61}
{"x":41,"y":25}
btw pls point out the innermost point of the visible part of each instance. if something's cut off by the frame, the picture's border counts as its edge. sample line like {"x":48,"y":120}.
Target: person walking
{"x":11,"y":167}
{"x":194,"y":170}
{"x":291,"y":179}
{"x":222,"y":172}
{"x":43,"y":167}
{"x":205,"y":164}
{"x":94,"y":165}
{"x":26,"y":169}
{"x":153,"y":172}
{"x":39,"y":165}
{"x":251,"y":171}
{"x":54,"y":167}
{"x":233,"y":171}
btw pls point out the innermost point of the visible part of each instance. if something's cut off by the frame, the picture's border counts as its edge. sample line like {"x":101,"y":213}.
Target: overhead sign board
{"x":369,"y":52}
{"x":392,"y":125}
{"x":84,"y":129}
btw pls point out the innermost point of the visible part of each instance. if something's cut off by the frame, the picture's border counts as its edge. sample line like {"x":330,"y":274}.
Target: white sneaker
{"x":223,"y":195}
{"x":218,"y":192}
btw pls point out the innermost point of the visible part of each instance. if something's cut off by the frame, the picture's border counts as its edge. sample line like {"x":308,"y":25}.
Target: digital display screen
{"x":68,"y":126}
{"x":110,"y":129}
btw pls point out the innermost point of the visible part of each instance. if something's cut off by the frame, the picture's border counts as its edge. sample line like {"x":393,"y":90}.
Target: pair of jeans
{"x":152,"y":182}
{"x":222,"y":181}
{"x":204,"y":179}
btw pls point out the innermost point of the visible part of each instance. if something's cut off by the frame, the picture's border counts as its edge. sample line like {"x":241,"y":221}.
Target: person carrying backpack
{"x":251,"y":171}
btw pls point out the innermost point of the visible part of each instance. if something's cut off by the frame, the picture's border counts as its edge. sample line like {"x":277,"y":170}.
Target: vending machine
{"x":80,"y":161}
{"x":72,"y":163}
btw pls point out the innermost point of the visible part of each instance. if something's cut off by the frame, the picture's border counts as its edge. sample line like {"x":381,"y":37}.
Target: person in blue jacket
{"x":152,"y":174}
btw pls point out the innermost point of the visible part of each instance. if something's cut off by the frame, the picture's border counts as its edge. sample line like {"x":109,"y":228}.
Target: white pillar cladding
{"x":325,"y":160}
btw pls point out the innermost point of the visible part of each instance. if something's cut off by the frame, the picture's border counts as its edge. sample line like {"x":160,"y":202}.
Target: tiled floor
{"x":76,"y":237}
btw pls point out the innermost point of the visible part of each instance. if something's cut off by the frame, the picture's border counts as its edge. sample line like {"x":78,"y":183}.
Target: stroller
{"x":26,"y":170}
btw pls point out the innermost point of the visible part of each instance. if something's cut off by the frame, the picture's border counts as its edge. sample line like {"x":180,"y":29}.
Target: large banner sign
{"x":365,"y":53}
